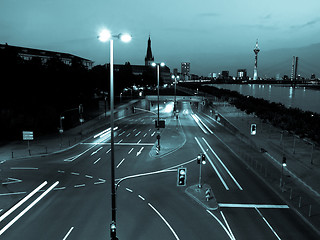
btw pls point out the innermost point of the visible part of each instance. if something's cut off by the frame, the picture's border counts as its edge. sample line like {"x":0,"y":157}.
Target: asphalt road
{"x":67,"y":195}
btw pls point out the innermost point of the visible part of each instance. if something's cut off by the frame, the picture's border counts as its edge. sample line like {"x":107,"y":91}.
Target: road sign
{"x":27,"y":135}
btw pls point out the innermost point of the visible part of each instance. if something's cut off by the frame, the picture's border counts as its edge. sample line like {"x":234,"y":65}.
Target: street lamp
{"x":175,"y":77}
{"x":105,"y":36}
{"x":158,"y":65}
{"x":284,"y":164}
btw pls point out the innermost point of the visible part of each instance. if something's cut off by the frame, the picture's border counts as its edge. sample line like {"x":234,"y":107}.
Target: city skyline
{"x":212,"y":41}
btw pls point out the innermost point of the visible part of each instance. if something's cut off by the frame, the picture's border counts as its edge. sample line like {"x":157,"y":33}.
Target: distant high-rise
{"x":255,"y":71}
{"x":242,"y":74}
{"x":149,"y":58}
{"x":185,"y":70}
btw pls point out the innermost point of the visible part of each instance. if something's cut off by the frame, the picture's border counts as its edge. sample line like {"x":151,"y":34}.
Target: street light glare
{"x":153,"y":64}
{"x":162,"y":64}
{"x":125,"y":37}
{"x":104,"y":35}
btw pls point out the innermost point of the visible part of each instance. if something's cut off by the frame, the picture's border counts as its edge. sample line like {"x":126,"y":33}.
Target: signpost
{"x":27,"y":136}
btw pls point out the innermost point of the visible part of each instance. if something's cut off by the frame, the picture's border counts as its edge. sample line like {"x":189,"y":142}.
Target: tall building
{"x":149,"y":58}
{"x":185,"y":70}
{"x":242,"y":74}
{"x":255,"y":70}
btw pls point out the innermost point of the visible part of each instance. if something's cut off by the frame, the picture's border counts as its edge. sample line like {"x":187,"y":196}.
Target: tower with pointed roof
{"x":149,"y":58}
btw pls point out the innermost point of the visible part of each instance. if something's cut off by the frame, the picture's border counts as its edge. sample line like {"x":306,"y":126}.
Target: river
{"x":299,"y":97}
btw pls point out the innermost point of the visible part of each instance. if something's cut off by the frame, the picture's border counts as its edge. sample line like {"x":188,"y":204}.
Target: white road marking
{"x":134,"y":130}
{"x":197,"y":122}
{"x":23,"y":200}
{"x":214,"y":167}
{"x":96,"y":151}
{"x":142,"y":198}
{"x":129,"y":190}
{"x":225,"y":221}
{"x":60,"y":188}
{"x":139,"y":141}
{"x":60,"y":171}
{"x":75,"y":157}
{"x":120,"y":163}
{"x":137,"y":133}
{"x":128,"y":134}
{"x":120,"y":141}
{"x":145,"y":135}
{"x":28,"y":208}
{"x":121,"y":133}
{"x":224,"y":166}
{"x":97,"y":160}
{"x":138,"y":153}
{"x":265,"y":220}
{"x":14,"y":193}
{"x":108,"y":151}
{"x":88,"y":176}
{"x":75,"y":173}
{"x":203,"y":124}
{"x":130,"y":150}
{"x":244,"y":205}
{"x":221,"y":224}
{"x":68,"y":233}
{"x":79,"y":185}
{"x":165,"y":221}
{"x":13,"y":180}
{"x":153,"y":134}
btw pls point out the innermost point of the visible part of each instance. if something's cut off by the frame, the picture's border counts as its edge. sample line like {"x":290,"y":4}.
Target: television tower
{"x":255,"y":71}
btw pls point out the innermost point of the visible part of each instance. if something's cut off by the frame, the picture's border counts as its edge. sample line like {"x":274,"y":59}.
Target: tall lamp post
{"x":175,"y":77}
{"x":158,"y":65}
{"x":105,"y":36}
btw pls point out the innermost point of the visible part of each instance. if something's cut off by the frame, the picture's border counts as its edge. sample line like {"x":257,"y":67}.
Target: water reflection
{"x":303,"y":98}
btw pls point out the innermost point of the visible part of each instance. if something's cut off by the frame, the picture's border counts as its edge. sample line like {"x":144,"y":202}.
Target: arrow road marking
{"x":13,"y":180}
{"x":138,"y":153}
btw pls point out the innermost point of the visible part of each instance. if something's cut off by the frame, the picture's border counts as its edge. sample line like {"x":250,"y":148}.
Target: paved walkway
{"x":57,"y":142}
{"x":303,"y":158}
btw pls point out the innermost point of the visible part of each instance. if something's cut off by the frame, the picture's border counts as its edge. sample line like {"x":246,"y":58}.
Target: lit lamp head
{"x":125,"y":37}
{"x":104,"y":35}
{"x":153,"y":64}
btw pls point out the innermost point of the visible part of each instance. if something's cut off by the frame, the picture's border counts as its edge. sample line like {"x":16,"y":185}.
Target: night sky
{"x":212,"y":35}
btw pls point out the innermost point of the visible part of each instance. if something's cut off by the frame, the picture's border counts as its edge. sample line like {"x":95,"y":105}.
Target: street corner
{"x":204,"y":196}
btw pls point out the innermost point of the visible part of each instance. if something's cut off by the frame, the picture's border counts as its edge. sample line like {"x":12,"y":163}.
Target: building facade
{"x":44,"y":55}
{"x":185,"y":70}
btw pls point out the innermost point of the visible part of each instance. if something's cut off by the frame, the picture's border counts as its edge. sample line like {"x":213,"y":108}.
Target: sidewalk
{"x":57,"y":142}
{"x":279,"y":144}
{"x":301,"y":177}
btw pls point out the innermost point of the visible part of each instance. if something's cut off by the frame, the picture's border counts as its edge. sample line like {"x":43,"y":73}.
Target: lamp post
{"x":162,"y":64}
{"x":105,"y":36}
{"x":175,"y":77}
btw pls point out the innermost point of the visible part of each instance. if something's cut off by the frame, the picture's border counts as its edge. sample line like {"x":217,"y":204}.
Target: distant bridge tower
{"x":255,"y":71}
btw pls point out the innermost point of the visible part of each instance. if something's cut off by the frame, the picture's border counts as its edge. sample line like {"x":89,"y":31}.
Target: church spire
{"x":149,"y":58}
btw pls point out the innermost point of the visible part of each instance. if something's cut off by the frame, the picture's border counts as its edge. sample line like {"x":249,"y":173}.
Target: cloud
{"x":307,"y":24}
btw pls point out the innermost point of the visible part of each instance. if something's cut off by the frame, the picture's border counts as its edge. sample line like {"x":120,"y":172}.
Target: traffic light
{"x":284,"y":161}
{"x":182,"y":176}
{"x":203,"y":158}
{"x":253,"y":129}
{"x":113,"y":232}
{"x":198,"y":159}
